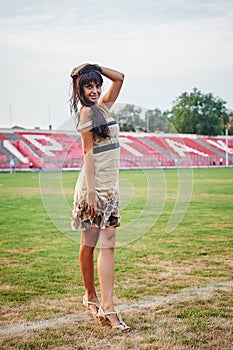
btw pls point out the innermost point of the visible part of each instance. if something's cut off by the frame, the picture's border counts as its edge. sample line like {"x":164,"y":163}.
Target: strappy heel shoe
{"x":105,"y":321}
{"x":92,"y":308}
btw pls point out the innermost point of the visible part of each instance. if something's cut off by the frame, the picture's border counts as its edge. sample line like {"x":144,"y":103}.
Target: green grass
{"x":40,"y":275}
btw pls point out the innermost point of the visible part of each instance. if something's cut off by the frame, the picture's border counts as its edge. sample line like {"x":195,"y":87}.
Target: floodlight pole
{"x":147,"y":122}
{"x":49,"y":108}
{"x":227,"y":163}
{"x":10,"y":114}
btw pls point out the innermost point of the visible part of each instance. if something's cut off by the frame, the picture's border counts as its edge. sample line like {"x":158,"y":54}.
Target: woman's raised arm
{"x":117,"y":79}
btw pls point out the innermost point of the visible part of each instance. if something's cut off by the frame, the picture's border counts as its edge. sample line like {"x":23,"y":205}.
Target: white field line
{"x":184,"y":295}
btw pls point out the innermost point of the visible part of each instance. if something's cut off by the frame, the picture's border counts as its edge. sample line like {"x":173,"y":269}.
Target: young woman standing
{"x":96,"y":197}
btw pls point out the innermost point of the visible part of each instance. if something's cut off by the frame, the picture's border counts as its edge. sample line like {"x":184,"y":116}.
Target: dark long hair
{"x":88,"y":74}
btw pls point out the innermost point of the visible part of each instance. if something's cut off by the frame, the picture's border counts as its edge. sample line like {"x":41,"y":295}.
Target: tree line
{"x":191,"y":113}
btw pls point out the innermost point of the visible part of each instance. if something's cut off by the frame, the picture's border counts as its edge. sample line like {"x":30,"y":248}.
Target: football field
{"x":173,"y":286}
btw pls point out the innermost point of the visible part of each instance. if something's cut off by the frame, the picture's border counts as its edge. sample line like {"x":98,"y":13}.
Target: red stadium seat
{"x":54,"y":149}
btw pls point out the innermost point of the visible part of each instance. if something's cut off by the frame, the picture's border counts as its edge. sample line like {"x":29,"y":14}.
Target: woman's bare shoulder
{"x":85,"y":114}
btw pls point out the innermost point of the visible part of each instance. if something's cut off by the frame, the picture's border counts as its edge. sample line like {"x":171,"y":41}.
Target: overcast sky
{"x":163,"y":47}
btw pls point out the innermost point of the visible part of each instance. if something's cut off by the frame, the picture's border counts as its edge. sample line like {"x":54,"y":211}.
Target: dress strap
{"x":85,"y":125}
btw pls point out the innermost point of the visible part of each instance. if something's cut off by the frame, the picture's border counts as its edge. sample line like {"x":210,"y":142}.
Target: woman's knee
{"x":89,"y":238}
{"x":107,"y":237}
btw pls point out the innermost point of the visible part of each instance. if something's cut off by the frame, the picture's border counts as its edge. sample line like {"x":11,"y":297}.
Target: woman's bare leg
{"x":106,"y":270}
{"x":86,"y":257}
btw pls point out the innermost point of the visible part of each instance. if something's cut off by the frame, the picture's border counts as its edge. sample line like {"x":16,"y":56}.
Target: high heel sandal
{"x":105,"y":321}
{"x":92,"y":308}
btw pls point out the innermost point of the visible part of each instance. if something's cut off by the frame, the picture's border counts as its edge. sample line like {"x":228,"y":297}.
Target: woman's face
{"x":92,"y":92}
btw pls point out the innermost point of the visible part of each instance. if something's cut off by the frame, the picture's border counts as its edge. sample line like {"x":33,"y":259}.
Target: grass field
{"x":40,"y":278}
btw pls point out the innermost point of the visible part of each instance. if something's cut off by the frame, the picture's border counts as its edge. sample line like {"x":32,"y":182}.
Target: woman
{"x":96,"y":197}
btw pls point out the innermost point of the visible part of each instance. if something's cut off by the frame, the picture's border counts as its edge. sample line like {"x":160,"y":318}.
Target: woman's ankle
{"x":91,"y":297}
{"x":107,"y":307}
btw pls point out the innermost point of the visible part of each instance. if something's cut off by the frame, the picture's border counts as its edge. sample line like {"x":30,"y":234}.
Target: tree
{"x":129,"y":118}
{"x":229,"y":123}
{"x":157,"y":121}
{"x":199,"y":113}
{"x":154,"y":120}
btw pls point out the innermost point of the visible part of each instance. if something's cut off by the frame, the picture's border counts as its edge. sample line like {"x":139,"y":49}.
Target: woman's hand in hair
{"x":77,"y":69}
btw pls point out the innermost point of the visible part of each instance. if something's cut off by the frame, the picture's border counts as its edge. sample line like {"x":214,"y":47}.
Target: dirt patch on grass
{"x":21,"y":192}
{"x":40,"y":309}
{"x":220,"y":224}
{"x":201,"y":321}
{"x":188,"y":272}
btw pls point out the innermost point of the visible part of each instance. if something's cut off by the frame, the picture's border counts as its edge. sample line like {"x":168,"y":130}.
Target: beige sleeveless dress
{"x":106,"y":154}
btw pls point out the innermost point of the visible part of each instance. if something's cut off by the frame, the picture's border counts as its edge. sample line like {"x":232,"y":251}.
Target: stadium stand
{"x":51,"y":150}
